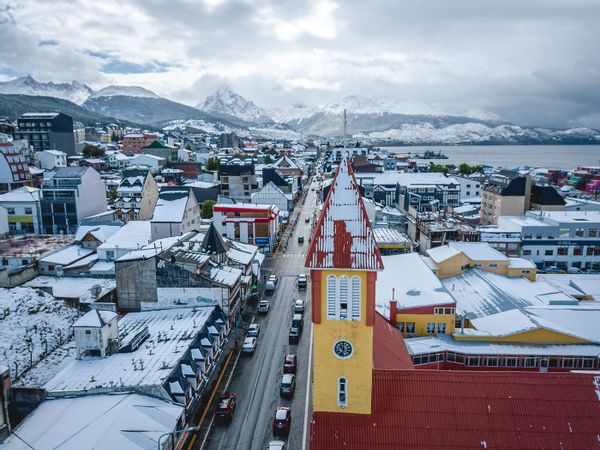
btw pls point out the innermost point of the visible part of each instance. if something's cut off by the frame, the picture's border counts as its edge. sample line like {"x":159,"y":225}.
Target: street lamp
{"x":175,"y":433}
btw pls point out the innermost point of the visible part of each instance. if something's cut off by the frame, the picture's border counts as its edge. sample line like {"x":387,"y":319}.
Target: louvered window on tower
{"x":355,"y":298}
{"x":331,"y":297}
{"x":343,"y":297}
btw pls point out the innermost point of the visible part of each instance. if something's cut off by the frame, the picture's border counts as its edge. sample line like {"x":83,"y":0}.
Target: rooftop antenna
{"x":345,"y":126}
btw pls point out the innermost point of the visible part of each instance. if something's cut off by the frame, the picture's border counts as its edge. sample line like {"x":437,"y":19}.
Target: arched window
{"x":343,"y":301}
{"x":331,"y":297}
{"x":342,"y":392}
{"x":355,"y":298}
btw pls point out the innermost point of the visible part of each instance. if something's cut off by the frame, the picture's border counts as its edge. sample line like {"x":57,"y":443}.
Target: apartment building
{"x":238,"y":179}
{"x":47,"y":131}
{"x":506,"y":194}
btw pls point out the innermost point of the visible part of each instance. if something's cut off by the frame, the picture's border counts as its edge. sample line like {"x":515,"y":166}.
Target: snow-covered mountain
{"x":478,"y":133}
{"x":295,"y":112}
{"x":75,"y":92}
{"x":225,"y":102}
{"x":128,"y":91}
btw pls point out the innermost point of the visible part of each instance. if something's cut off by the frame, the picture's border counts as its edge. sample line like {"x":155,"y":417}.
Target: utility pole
{"x":345,"y":126}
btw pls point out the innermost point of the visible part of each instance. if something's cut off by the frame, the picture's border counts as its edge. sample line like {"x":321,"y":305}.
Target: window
{"x":568,"y":362}
{"x":593,"y":232}
{"x":343,"y":299}
{"x":527,"y":236}
{"x":526,"y":252}
{"x":548,"y":252}
{"x":110,"y":255}
{"x":28,"y":211}
{"x":473,"y":361}
{"x":399,"y":325}
{"x":511,"y":362}
{"x":10,"y":210}
{"x":538,"y":236}
{"x":441,"y":328}
{"x":331,"y":296}
{"x":445,"y":311}
{"x":493,"y":361}
{"x":430,"y":328}
{"x":579,"y":232}
{"x":410,"y":327}
{"x":530,"y":362}
{"x":588,"y":363}
{"x":88,"y":332}
{"x":562,"y":251}
{"x":342,"y":392}
{"x":355,"y":298}
{"x":577,"y":251}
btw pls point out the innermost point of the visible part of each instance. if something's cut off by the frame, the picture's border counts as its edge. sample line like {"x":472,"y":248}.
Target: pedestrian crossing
{"x":292,"y":255}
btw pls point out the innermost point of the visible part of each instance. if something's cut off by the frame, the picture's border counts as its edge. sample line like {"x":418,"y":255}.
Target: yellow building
{"x":456,"y":257}
{"x":344,"y":260}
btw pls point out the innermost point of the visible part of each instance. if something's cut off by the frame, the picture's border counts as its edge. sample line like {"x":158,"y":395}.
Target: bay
{"x":563,"y":157}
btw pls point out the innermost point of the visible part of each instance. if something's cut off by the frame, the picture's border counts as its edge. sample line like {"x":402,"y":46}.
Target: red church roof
{"x":343,"y":237}
{"x":429,"y":410}
{"x":389,"y":349}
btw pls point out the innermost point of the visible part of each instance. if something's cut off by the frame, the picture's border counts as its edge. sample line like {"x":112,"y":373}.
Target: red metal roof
{"x":343,"y":238}
{"x":414,"y":409}
{"x":389,"y":350}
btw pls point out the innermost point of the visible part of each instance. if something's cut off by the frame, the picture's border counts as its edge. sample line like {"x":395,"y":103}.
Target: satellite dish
{"x":96,"y":290}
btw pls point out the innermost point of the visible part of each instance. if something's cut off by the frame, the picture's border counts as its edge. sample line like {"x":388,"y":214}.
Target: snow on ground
{"x":31,"y":321}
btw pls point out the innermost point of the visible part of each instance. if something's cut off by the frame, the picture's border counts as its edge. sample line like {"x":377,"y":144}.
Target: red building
{"x":134,"y":142}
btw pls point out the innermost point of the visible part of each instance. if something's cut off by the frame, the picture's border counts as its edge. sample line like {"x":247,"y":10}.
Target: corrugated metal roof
{"x":343,"y":237}
{"x":468,"y":410}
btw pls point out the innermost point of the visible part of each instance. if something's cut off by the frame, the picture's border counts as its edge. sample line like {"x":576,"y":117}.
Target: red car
{"x":226,"y":406}
{"x":282,"y":421}
{"x":290,"y":363}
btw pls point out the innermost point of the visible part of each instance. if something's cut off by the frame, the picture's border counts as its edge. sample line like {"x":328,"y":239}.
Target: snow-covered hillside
{"x":75,"y":92}
{"x":273,"y":131}
{"x":228,"y":103}
{"x":295,"y":112}
{"x":467,"y":133}
{"x":128,"y":91}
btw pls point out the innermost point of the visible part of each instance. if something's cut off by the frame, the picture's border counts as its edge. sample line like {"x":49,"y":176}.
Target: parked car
{"x":254,"y":330}
{"x":575,"y":270}
{"x":298,"y":322}
{"x":294,"y":335}
{"x":288,"y":385}
{"x":307,"y":219}
{"x":225,"y":407}
{"x":553,"y":269}
{"x":269,"y":288}
{"x":276,"y":445}
{"x":273,"y":278}
{"x":300,"y":239}
{"x":249,"y":345}
{"x":302,"y":281}
{"x":282,"y":421}
{"x":299,"y":307}
{"x":290,"y":363}
{"x":263,"y":307}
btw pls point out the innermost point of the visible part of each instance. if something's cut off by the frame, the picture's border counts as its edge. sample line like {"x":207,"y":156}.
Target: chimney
{"x":393,"y":311}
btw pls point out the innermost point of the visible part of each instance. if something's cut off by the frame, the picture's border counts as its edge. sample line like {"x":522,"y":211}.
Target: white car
{"x":249,"y":345}
{"x":299,"y":307}
{"x":254,"y":330}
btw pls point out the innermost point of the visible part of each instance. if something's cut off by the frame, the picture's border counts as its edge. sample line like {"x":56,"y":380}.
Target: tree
{"x":212,"y":164}
{"x":91,"y":151}
{"x":207,"y":211}
{"x":268,"y":159}
{"x":467,"y":169}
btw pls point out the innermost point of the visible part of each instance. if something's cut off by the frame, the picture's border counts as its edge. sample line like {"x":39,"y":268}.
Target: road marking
{"x":304,"y":429}
{"x":212,"y":396}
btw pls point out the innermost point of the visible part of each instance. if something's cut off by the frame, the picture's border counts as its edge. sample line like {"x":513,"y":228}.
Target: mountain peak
{"x":227,"y":102}
{"x":128,"y":91}
{"x":26,"y":85}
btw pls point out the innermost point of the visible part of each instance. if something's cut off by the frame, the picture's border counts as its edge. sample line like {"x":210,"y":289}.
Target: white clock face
{"x":343,"y":349}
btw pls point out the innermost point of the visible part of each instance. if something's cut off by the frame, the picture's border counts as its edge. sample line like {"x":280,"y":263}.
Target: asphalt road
{"x":256,"y":378}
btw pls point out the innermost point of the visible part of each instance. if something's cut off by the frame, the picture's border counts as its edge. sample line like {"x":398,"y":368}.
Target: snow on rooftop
{"x":389,"y":236}
{"x":73,"y":287}
{"x":520,"y":263}
{"x":412,"y":282}
{"x":441,"y":343}
{"x":478,"y":251}
{"x":23,"y":194}
{"x":67,"y":255}
{"x":343,"y":237}
{"x":95,"y":319}
{"x":442,"y":253}
{"x":159,"y":357}
{"x":133,"y":235}
{"x":574,"y":284}
{"x":152,"y":249}
{"x":226,"y":275}
{"x":102,"y":422}
{"x":170,"y":210}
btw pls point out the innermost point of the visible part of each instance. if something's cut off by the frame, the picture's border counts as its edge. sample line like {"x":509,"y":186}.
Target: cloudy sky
{"x":533,"y":62}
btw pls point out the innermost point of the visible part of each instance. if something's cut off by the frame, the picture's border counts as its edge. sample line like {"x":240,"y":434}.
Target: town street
{"x":256,"y":378}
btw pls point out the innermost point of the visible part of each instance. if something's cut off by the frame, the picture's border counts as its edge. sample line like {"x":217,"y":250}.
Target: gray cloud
{"x":532,"y":62}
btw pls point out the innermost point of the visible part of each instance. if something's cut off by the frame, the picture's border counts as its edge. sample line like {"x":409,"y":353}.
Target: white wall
{"x":91,"y":197}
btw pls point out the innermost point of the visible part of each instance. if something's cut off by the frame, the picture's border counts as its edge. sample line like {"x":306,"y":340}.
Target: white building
{"x":95,"y":332}
{"x":23,"y":210}
{"x":154,"y":162}
{"x":117,"y":160}
{"x":49,"y":159}
{"x":176,"y":212}
{"x":470,"y":190}
{"x":563,"y":239}
{"x":131,"y":236}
